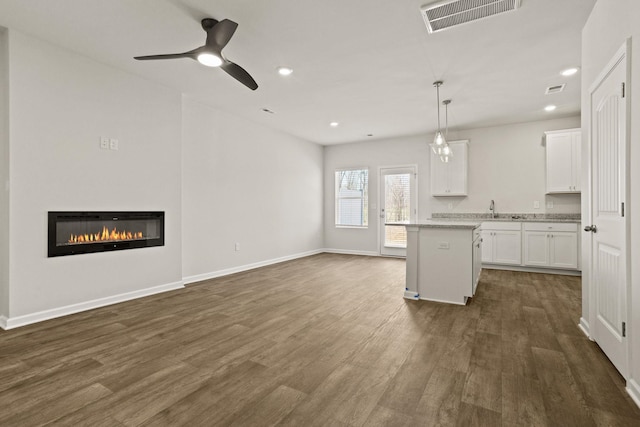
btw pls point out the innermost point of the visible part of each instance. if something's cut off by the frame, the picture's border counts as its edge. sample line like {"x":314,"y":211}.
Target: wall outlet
{"x":450,"y":206}
{"x":536,"y":204}
{"x":104,"y":142}
{"x":443,"y":245}
{"x":549,"y":205}
{"x":237,"y":246}
{"x":114,"y":144}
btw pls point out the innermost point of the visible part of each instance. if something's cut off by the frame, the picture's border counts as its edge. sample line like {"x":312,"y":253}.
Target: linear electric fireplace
{"x":74,"y":233}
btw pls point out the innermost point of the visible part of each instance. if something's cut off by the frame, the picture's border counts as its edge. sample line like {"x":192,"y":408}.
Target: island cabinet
{"x":563,"y":161}
{"x":551,"y":245}
{"x":443,"y":261}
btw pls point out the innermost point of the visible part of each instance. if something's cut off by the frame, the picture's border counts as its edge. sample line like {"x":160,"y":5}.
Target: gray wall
{"x":506,"y":163}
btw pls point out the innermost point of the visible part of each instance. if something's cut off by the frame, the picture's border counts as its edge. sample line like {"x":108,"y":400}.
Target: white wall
{"x":4,"y":174}
{"x":611,"y":22}
{"x":61,"y":103}
{"x":506,"y":163}
{"x":244,"y":183}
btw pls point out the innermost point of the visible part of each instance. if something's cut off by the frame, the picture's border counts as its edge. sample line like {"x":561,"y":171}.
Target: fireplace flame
{"x":105,"y":236}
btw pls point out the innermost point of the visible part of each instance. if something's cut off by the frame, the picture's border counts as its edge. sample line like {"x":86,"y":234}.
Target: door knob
{"x":591,"y":228}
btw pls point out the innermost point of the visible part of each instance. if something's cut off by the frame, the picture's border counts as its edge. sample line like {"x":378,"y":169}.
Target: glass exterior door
{"x":398,"y":207}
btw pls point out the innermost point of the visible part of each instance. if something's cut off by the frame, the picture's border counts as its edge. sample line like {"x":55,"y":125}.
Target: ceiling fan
{"x":218,"y":35}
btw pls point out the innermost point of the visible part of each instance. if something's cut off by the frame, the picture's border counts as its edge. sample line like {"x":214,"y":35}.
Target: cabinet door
{"x":536,"y":248}
{"x":559,"y":164}
{"x":507,"y":247}
{"x":576,"y":160}
{"x":439,"y":175}
{"x":457,"y":170}
{"x":477,"y":264}
{"x":487,"y":246}
{"x":563,"y":248}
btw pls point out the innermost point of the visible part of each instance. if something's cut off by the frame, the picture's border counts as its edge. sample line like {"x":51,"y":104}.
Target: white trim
{"x":634,"y":391}
{"x":414,"y":190}
{"x":584,"y":327}
{"x":349,"y":252}
{"x":219,"y":273}
{"x":445,"y":301}
{"x":27,"y":319}
{"x":532,"y":269}
{"x":411,"y":295}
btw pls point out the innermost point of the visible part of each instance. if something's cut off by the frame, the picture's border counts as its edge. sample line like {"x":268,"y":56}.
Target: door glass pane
{"x":397,"y":209}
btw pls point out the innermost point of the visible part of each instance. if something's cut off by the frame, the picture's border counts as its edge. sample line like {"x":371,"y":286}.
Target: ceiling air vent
{"x":449,"y":13}
{"x":554,"y":89}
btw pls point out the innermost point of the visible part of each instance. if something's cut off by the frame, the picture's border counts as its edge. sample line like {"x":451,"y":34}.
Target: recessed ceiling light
{"x":569,"y":72}
{"x":549,"y":108}
{"x":285,"y":71}
{"x":334,"y":124}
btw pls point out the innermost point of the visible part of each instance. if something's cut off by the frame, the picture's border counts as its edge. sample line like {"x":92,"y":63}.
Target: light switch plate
{"x":104,"y":142}
{"x":536,"y":204}
{"x":114,"y":144}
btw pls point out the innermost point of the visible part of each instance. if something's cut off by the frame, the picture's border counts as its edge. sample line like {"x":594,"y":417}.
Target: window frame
{"x":364,"y":198}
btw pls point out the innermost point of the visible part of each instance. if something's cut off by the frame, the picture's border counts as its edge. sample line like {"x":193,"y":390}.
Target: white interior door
{"x":397,"y":207}
{"x":608,"y":194}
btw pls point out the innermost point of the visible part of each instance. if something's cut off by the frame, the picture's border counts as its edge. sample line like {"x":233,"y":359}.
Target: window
{"x":352,"y":188}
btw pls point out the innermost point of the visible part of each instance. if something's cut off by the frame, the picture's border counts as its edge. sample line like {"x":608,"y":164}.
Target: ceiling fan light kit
{"x":218,"y":35}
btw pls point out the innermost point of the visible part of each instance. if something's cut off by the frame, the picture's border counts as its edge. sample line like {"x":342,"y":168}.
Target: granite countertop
{"x":438,"y":223}
{"x":519,"y":217}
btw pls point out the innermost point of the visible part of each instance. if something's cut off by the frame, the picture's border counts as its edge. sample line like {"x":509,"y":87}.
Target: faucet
{"x":492,"y":208}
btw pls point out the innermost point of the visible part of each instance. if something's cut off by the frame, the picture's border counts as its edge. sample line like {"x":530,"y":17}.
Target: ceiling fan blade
{"x":167,"y":56}
{"x":220,"y":34}
{"x":239,"y":73}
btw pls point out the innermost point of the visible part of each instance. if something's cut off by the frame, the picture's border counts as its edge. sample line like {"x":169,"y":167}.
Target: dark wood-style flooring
{"x":326,"y":340}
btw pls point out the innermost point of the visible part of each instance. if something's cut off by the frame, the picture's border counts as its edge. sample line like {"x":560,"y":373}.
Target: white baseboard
{"x":411,"y":295}
{"x":532,"y":269}
{"x":633,"y":388}
{"x":584,"y":327}
{"x":27,"y":319}
{"x":349,"y":252}
{"x":212,"y":275}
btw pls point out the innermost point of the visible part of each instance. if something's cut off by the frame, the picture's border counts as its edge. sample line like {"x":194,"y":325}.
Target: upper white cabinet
{"x":450,"y":179}
{"x":563,"y":161}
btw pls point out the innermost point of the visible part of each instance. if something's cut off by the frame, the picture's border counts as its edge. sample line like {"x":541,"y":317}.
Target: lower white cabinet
{"x":502,"y":243}
{"x":551,"y":245}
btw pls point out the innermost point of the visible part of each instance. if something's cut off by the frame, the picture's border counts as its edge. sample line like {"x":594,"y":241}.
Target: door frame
{"x":623,"y":52}
{"x":381,"y":201}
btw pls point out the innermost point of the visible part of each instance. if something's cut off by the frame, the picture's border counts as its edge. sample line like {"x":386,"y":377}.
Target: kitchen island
{"x":443,"y":261}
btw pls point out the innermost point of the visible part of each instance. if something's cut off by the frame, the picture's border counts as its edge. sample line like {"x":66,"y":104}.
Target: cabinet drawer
{"x":497,"y":225}
{"x":550,"y":226}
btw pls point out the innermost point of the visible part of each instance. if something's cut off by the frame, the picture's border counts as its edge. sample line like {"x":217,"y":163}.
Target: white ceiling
{"x":368,"y":64}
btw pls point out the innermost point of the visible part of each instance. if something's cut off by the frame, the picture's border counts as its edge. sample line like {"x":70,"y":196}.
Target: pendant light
{"x":446,"y":153}
{"x":439,"y":142}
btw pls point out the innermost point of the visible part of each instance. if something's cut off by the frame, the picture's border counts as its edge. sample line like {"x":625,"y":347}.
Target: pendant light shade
{"x":446,"y":153}
{"x":439,"y":141}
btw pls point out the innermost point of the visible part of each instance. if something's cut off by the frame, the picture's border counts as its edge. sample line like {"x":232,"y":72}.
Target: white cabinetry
{"x":443,"y":261}
{"x":551,"y":245}
{"x":563,"y":161}
{"x":450,"y":179}
{"x":502,"y":243}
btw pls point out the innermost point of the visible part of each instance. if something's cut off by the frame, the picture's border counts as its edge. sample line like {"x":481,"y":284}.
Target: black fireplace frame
{"x":60,"y":216}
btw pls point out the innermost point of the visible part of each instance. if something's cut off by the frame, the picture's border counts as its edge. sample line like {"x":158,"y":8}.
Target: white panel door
{"x":559,"y":153}
{"x":563,"y":250}
{"x":608,"y":192}
{"x":536,"y":248}
{"x":398,"y":207}
{"x":487,"y":246}
{"x":507,"y":247}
